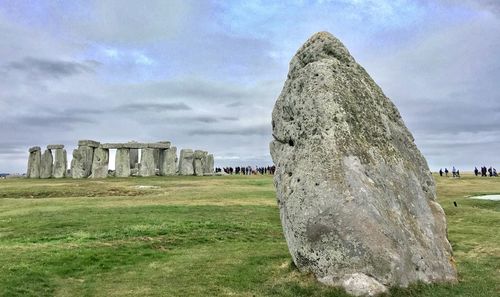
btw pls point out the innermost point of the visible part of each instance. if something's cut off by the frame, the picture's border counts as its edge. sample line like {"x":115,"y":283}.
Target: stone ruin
{"x":91,"y":159}
{"x":357,"y":200}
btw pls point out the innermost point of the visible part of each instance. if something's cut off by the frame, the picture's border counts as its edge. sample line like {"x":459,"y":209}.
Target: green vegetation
{"x":188,"y":236}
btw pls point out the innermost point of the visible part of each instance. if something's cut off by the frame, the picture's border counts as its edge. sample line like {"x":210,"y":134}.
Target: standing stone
{"x":46,"y":164}
{"x":122,"y":162}
{"x":209,"y":166}
{"x":34,"y":161}
{"x":168,"y":161}
{"x":100,"y":163}
{"x":186,"y":162}
{"x":198,"y":163}
{"x":81,"y":165}
{"x":156,"y":155}
{"x":357,"y":201}
{"x":148,"y":165}
{"x":134,"y":158}
{"x":60,"y":163}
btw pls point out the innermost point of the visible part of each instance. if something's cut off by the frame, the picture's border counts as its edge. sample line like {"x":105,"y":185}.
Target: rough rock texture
{"x":60,"y":163}
{"x":46,"y":164}
{"x":81,"y":165}
{"x":198,"y":162}
{"x":91,"y":143}
{"x":100,"y":163}
{"x":147,"y":166}
{"x":357,"y":201}
{"x":156,"y":155}
{"x":55,"y":146}
{"x":34,"y":160}
{"x":209,"y":165}
{"x":168,"y":161}
{"x":186,"y":162}
{"x":134,"y":158}
{"x":122,"y":162}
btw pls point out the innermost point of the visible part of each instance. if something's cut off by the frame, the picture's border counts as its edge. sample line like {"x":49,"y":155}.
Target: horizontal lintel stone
{"x":91,"y":143}
{"x":55,"y":146}
{"x":34,"y":149}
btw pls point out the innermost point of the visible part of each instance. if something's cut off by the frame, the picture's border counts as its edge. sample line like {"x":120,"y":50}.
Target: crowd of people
{"x":484,"y":172}
{"x":248,"y":170}
{"x":455,"y":172}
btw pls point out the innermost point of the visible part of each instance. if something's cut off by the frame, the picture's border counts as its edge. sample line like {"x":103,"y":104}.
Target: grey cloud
{"x":51,"y":120}
{"x":234,"y":104}
{"x":152,"y":107}
{"x":244,"y":131}
{"x":47,"y":68}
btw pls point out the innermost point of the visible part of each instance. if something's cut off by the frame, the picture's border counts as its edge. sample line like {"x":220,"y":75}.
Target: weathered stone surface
{"x":156,"y":155}
{"x":168,"y":161}
{"x":34,"y":149}
{"x":122,"y":162}
{"x":34,"y":161}
{"x":357,"y":201}
{"x":91,"y":143}
{"x":100,"y":163}
{"x":81,"y":165}
{"x":134,"y":158}
{"x":209,"y":165}
{"x":158,"y":145}
{"x":55,"y":146}
{"x":135,"y":145}
{"x":186,"y":162}
{"x":147,"y":166}
{"x":46,"y":164}
{"x":198,"y":162}
{"x":60,"y":163}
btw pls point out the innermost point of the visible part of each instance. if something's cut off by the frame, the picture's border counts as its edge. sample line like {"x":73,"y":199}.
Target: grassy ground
{"x":187,"y":236}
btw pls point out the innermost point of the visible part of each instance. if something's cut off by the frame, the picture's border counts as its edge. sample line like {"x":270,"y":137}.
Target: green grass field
{"x":197,"y":236}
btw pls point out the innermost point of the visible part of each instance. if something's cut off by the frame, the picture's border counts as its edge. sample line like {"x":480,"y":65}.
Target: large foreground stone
{"x":168,"y":161}
{"x":81,"y":165}
{"x":100,"y":163}
{"x":34,"y":161}
{"x":60,"y":163}
{"x":46,"y":164}
{"x":357,"y":201}
{"x":186,"y":162}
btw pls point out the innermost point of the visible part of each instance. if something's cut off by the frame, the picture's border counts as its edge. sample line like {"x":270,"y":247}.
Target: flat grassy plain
{"x":197,"y":236}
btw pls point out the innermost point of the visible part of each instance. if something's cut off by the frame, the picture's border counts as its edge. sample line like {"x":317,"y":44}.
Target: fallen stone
{"x":81,"y":165}
{"x":147,"y":166}
{"x":60,"y":163}
{"x":122,"y":162}
{"x":100,"y":163}
{"x":90,"y":143}
{"x":186,"y":162}
{"x":168,"y":161}
{"x":46,"y":164}
{"x":55,"y":146}
{"x":356,"y":198}
{"x":34,"y":160}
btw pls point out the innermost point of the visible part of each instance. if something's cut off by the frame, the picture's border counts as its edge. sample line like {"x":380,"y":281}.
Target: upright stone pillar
{"x":168,"y":161}
{"x":209,"y":166}
{"x":186,"y":162}
{"x":134,"y":158}
{"x":156,"y":155}
{"x":147,"y":167}
{"x":34,"y":161}
{"x":81,"y":165}
{"x":197,"y":163}
{"x":46,"y":164}
{"x":60,"y":160}
{"x":122,"y":162}
{"x":100,"y":163}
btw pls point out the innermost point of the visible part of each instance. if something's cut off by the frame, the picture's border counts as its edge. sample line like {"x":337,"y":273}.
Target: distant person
{"x":457,"y":173}
{"x":495,"y":172}
{"x":490,"y":171}
{"x":454,"y":172}
{"x":476,"y":171}
{"x":446,"y":172}
{"x":441,"y":172}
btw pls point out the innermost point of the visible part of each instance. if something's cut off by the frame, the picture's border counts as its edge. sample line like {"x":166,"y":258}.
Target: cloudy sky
{"x":205,"y":74}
